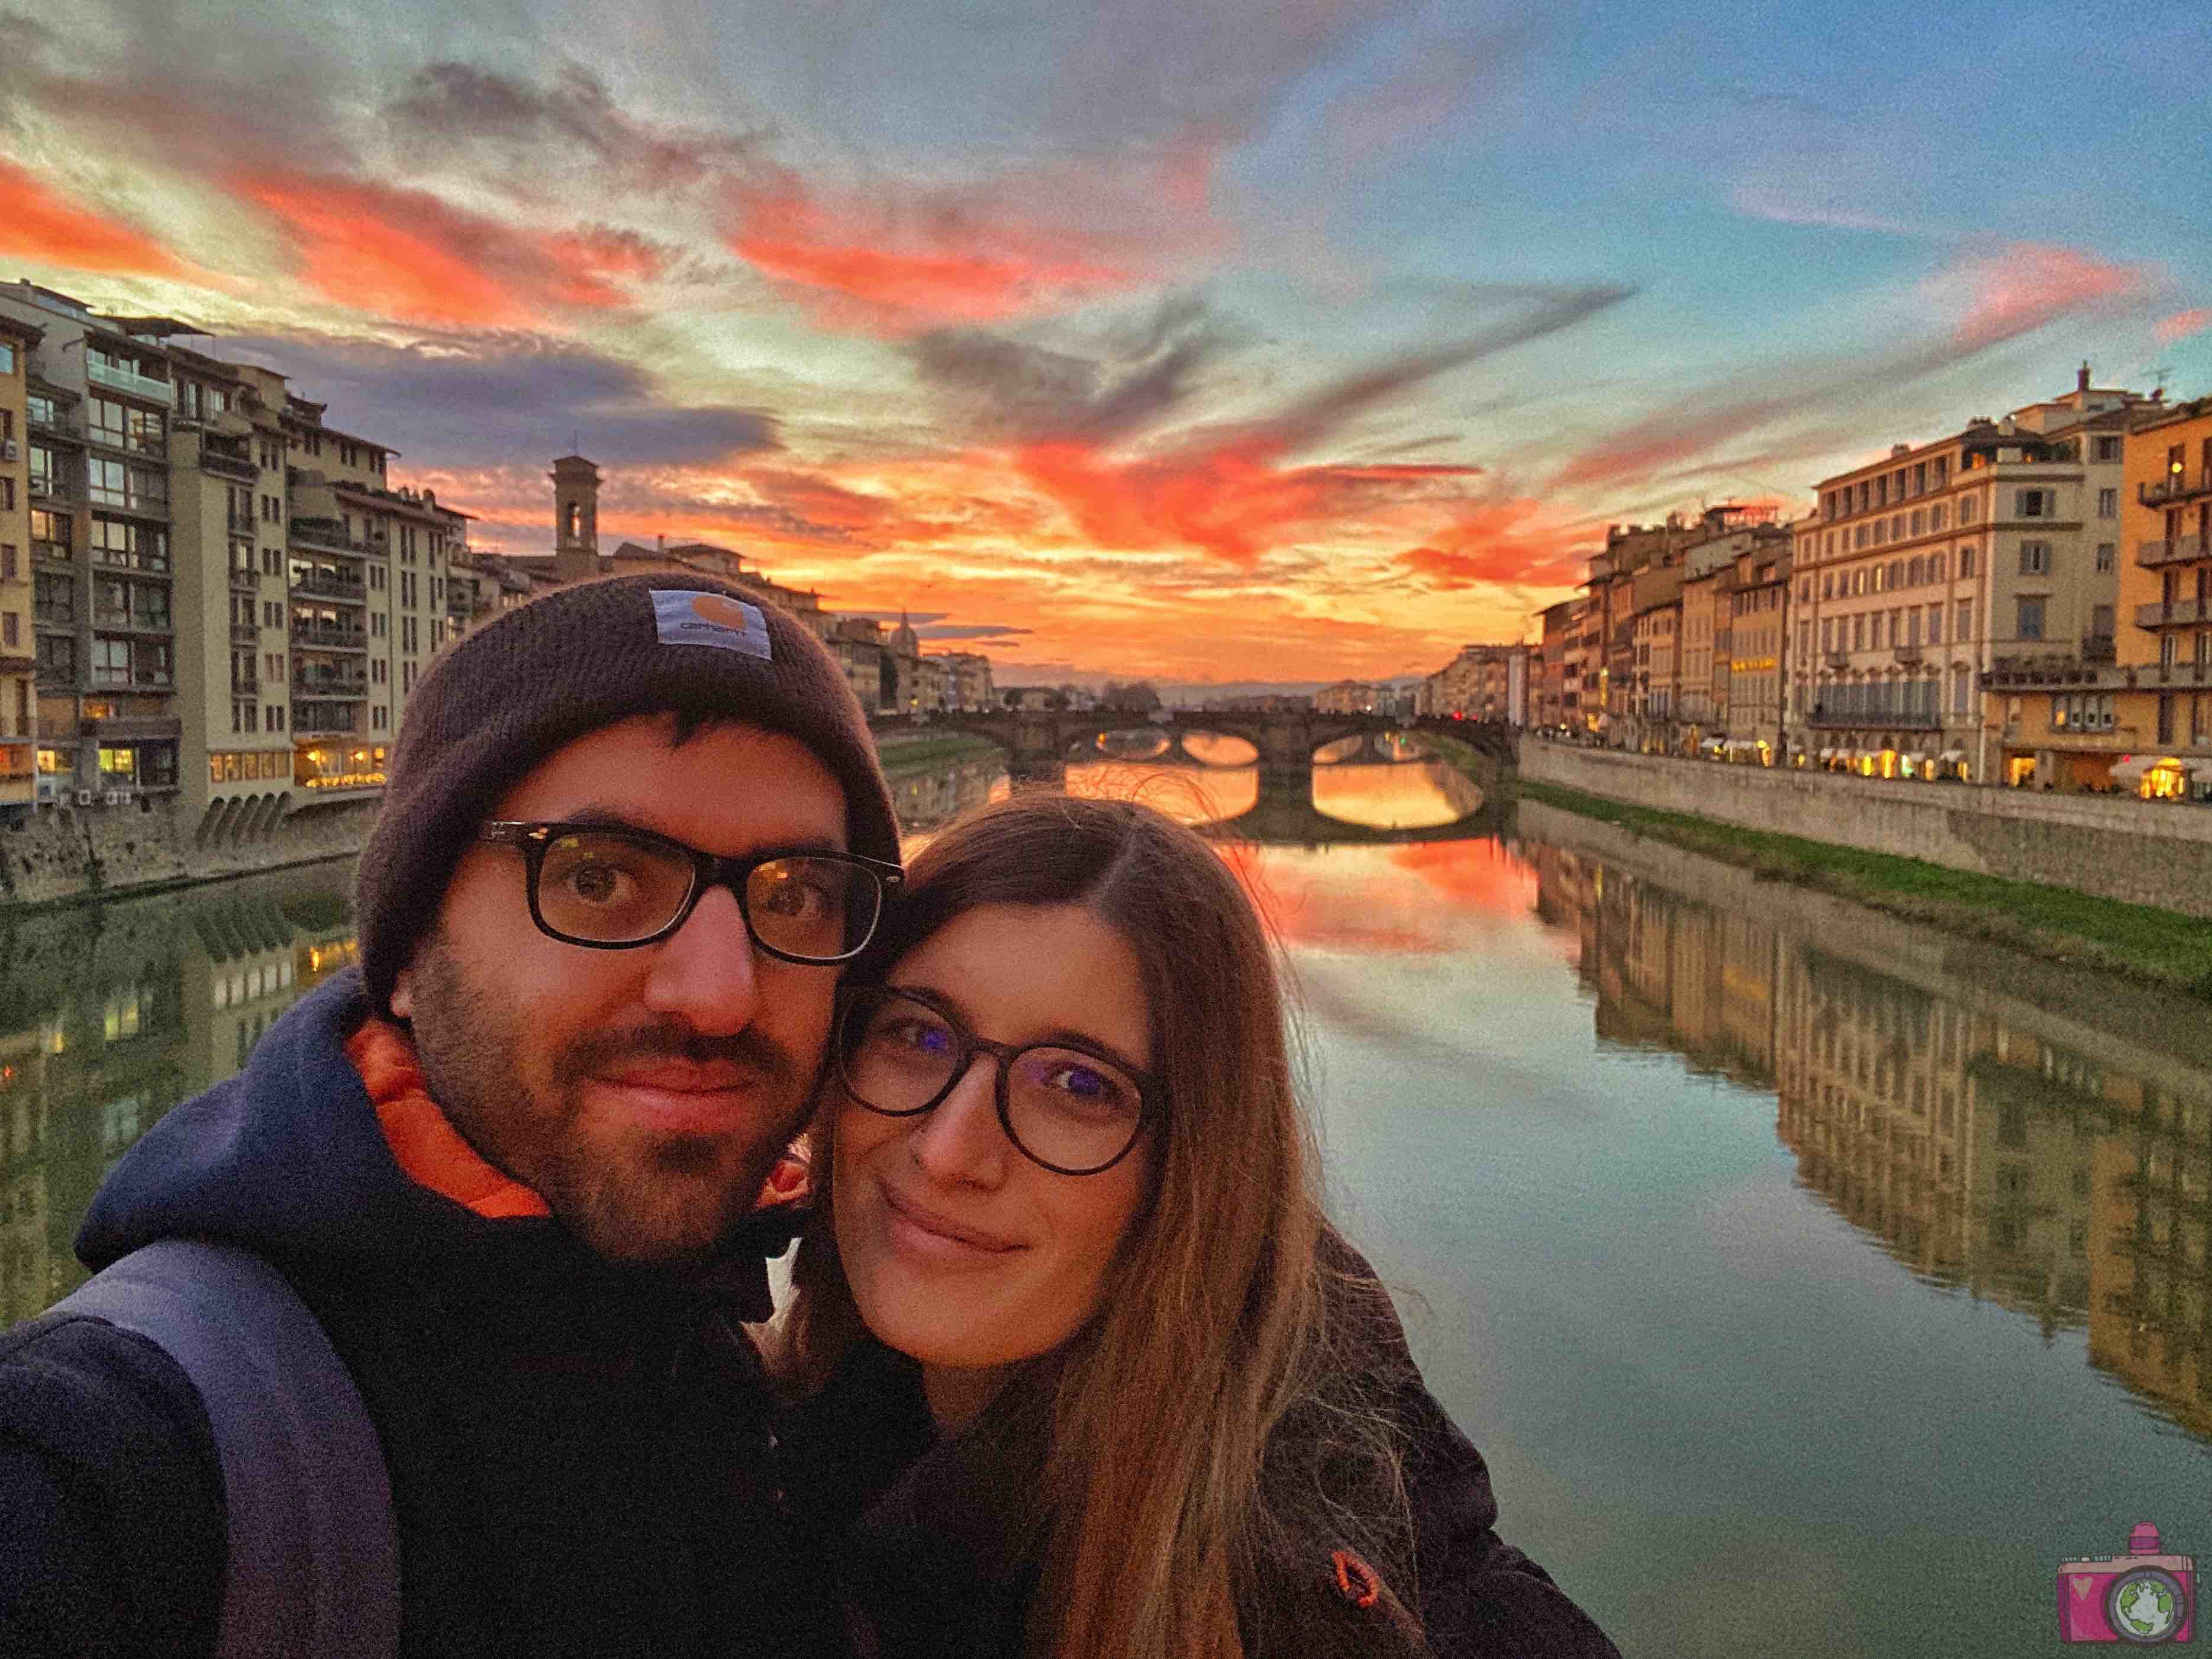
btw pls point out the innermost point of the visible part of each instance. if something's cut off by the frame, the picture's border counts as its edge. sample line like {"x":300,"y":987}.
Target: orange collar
{"x":429,"y":1147}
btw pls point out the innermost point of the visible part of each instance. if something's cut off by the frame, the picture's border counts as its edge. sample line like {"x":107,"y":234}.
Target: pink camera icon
{"x":2143,"y":1597}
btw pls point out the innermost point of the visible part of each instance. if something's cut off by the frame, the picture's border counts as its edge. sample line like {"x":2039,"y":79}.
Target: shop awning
{"x":2132,"y":769}
{"x":1829,"y":753}
{"x":1952,"y":757}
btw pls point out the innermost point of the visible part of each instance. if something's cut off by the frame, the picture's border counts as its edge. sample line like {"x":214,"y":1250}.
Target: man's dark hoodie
{"x":579,"y":1451}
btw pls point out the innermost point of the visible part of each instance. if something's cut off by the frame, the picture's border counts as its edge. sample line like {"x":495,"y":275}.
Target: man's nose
{"x":960,"y":1140}
{"x":708,"y":971}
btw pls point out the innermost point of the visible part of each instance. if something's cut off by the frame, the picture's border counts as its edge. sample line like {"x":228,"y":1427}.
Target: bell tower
{"x":575,"y":519}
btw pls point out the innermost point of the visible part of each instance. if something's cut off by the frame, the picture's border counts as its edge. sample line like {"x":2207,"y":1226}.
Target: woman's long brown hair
{"x":1215,"y":1320}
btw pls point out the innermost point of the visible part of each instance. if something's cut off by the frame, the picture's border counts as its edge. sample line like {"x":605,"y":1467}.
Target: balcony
{"x":52,"y":552}
{"x":325,"y":637}
{"x":2170,"y":673}
{"x":351,"y":687}
{"x":1904,"y":654}
{"x":118,"y":379}
{"x":123,"y":621}
{"x":331,"y":587}
{"x":1914,"y":720}
{"x":321,"y":532}
{"x":1836,"y":659}
{"x":2180,"y":550}
{"x":241,"y":524}
{"x":2100,"y":649}
{"x":245,"y":580}
{"x":246,"y":688}
{"x":228,"y":467}
{"x":2179,"y":613}
{"x":245,"y":634}
{"x":2181,"y":486}
{"x":62,"y":426}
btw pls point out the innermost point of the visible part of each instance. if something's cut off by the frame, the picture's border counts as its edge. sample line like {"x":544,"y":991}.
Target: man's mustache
{"x":602,"y":1052}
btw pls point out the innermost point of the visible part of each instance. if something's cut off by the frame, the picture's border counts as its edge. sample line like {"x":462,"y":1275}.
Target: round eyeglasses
{"x":609,"y":887}
{"x":1075,"y":1109}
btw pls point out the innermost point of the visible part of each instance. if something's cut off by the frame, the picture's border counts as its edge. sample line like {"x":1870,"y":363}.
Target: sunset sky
{"x":1206,"y":340}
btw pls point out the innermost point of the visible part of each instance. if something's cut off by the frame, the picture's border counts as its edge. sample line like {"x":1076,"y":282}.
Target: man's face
{"x":645,"y":1093}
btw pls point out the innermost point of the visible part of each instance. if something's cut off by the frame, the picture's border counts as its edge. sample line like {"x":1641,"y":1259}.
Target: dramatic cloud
{"x":38,"y":225}
{"x":457,"y":405}
{"x":406,"y":255}
{"x":1988,"y":297}
{"x":2182,"y":324}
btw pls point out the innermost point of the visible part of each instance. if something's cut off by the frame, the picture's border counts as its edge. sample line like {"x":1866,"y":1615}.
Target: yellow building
{"x":1947,"y":565}
{"x":2162,"y":704}
{"x":18,"y":665}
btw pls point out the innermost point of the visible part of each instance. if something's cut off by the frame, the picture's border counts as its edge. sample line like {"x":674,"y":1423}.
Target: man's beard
{"x":670,"y":1199}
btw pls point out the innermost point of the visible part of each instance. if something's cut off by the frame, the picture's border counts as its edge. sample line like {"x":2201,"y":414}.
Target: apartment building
{"x":19,"y":718}
{"x":1710,"y":568}
{"x":2141,"y":724}
{"x":1547,"y":687}
{"x":1923,"y":573}
{"x":1482,"y":682}
{"x":968,"y":687}
{"x":1345,"y":698}
{"x":1758,"y":645}
{"x":230,"y":603}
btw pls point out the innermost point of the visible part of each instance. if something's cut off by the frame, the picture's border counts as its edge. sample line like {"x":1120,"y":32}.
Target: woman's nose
{"x":959,"y":1138}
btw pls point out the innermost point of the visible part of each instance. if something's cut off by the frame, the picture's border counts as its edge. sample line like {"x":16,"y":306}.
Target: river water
{"x":1813,"y":1284}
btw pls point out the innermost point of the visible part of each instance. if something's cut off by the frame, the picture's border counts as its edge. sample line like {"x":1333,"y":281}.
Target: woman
{"x":1083,"y":1370}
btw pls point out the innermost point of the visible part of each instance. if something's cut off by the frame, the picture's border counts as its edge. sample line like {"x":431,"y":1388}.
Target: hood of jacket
{"x":287,"y":1158}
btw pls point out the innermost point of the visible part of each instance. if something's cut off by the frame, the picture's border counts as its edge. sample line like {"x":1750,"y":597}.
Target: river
{"x":1813,"y":1284}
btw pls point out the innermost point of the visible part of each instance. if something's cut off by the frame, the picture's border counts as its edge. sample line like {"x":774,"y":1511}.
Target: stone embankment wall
{"x":72,"y":853}
{"x":2154,"y":853}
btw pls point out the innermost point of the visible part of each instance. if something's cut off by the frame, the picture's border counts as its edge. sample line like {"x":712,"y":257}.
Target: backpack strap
{"x":312,"y":1569}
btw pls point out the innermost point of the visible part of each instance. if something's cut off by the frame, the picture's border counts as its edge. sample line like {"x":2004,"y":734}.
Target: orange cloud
{"x":858,"y":272}
{"x":2182,"y":324}
{"x":408,"y":255}
{"x":928,"y":256}
{"x":37,"y":224}
{"x":1510,"y":539}
{"x":2022,"y":287}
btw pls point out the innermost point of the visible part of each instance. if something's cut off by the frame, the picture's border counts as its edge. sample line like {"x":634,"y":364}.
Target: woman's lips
{"x":921,"y":1231}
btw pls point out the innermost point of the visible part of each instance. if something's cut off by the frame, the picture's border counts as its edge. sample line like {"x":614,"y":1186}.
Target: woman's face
{"x":961,"y":1252}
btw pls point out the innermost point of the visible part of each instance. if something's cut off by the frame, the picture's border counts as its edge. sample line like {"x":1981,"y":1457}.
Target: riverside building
{"x":2142,"y":721}
{"x":18,"y":666}
{"x":1925,"y":577}
{"x":230,"y":602}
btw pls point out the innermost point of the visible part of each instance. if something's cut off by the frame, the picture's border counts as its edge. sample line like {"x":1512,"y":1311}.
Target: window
{"x":2101,"y":623}
{"x":275,"y":717}
{"x":1959,"y":689}
{"x":2108,"y":503}
{"x":1935,"y":624}
{"x":1936,"y":568}
{"x":133,"y":546}
{"x":1965,"y":562}
{"x":1962,"y":620}
{"x":7,"y":570}
{"x":2034,"y":503}
{"x":2035,"y":558}
{"x":11,"y":629}
{"x":1828,"y":587}
{"x":111,"y":661}
{"x":2031,"y":619}
{"x":2106,"y":449}
{"x":53,"y":598}
{"x":1858,"y":633}
{"x":57,"y":659}
{"x":7,"y":357}
{"x":1969,"y":509}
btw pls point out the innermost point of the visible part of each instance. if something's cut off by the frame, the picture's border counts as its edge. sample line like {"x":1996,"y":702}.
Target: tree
{"x":1133,"y":696}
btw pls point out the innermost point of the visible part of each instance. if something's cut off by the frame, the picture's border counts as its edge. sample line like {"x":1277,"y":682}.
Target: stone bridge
{"x":1040,"y":744}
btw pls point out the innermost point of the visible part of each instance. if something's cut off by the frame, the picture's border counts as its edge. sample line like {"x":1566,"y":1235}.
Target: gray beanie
{"x":562,"y":666}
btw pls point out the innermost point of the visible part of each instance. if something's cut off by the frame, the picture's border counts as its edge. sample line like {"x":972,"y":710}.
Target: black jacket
{"x":579,"y":1453}
{"x":938,"y":1545}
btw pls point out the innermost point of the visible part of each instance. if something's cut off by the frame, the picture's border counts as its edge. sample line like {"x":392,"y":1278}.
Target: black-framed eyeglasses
{"x":1072,"y":1107}
{"x":610,"y":887}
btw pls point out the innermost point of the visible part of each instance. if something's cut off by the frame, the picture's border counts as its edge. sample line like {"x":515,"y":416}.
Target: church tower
{"x":575,"y":519}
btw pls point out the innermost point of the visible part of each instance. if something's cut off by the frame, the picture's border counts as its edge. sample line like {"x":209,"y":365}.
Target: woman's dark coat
{"x":939,"y":1543}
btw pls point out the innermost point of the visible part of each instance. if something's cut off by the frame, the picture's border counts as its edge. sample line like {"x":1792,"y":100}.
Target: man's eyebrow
{"x":598,"y":816}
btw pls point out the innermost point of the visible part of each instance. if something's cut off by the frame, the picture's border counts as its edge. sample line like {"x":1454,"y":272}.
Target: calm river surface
{"x":1813,"y":1286}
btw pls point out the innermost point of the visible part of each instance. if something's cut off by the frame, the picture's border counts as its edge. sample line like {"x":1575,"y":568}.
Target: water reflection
{"x":1402,"y":796}
{"x":114,"y":1015}
{"x":1982,"y":1148}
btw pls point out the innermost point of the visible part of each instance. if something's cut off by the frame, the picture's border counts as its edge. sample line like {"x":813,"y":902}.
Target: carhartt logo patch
{"x":686,"y":617}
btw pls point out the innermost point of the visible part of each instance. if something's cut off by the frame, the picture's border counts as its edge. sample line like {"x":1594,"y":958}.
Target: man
{"x":512,"y":1164}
